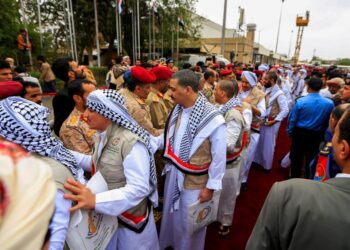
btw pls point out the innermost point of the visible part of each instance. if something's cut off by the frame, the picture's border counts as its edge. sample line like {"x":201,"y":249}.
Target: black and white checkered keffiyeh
{"x":110,"y":104}
{"x":25,"y":123}
{"x":201,"y":114}
{"x":233,"y":102}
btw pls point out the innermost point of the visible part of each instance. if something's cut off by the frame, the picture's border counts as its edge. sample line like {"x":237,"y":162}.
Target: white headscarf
{"x":251,"y":77}
{"x":25,"y":123}
{"x":27,"y":198}
{"x":110,"y":104}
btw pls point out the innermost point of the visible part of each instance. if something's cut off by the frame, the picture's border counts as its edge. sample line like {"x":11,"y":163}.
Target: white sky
{"x":328,"y":32}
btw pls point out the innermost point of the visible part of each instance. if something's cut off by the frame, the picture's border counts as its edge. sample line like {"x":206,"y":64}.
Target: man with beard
{"x":276,"y":111}
{"x":195,"y":145}
{"x":75,"y":132}
{"x":251,"y":94}
{"x":65,"y":69}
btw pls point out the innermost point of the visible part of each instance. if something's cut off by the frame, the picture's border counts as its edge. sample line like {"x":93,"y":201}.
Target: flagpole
{"x":117,"y":27}
{"x":40,"y":28}
{"x":120,"y":32}
{"x":97,"y":40}
{"x":138,"y":29}
{"x":162,"y":40}
{"x":177,"y":42}
{"x":223,"y":30}
{"x":154,"y":36}
{"x":73,"y":32}
{"x":70,"y":29}
{"x":133,"y":31}
{"x":279,"y":26}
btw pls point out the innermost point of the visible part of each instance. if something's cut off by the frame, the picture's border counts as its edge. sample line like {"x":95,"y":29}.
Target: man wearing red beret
{"x":7,"y":86}
{"x":227,"y":74}
{"x":10,"y":88}
{"x":155,"y":99}
{"x":138,"y":86}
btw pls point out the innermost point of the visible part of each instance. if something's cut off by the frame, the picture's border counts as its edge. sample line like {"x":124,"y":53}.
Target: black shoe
{"x":244,"y":186}
{"x":224,"y":230}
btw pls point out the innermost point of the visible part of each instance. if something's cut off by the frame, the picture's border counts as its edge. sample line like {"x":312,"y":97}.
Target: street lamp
{"x":279,"y":26}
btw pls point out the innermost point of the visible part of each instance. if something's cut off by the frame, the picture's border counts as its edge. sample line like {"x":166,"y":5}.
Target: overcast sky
{"x":328,"y":32}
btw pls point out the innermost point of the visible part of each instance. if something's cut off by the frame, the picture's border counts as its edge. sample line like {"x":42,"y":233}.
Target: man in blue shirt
{"x":307,"y":124}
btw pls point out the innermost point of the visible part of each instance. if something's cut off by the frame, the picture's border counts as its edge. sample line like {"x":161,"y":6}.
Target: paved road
{"x":47,"y":102}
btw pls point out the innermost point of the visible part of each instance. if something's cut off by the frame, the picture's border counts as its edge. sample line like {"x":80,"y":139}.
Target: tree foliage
{"x":9,"y":28}
{"x":55,"y":24}
{"x":343,"y":61}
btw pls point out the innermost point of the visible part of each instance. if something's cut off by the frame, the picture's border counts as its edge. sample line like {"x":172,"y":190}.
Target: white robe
{"x":231,"y":180}
{"x":174,"y":226}
{"x":266,"y":147}
{"x":248,"y":157}
{"x":115,"y":202}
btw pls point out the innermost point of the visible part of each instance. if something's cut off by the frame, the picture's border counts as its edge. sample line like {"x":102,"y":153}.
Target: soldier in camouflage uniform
{"x":138,"y":86}
{"x":75,"y":132}
{"x":155,"y":99}
{"x":208,"y":89}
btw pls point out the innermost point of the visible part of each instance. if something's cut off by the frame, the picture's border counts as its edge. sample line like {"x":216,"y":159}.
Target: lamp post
{"x":279,"y":26}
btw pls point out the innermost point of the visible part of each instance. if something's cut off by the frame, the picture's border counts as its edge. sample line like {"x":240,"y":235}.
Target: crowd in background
{"x":142,"y":130}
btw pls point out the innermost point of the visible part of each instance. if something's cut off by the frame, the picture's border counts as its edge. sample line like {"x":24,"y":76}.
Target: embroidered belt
{"x":255,"y":127}
{"x":134,"y":223}
{"x":184,"y":166}
{"x":232,"y":157}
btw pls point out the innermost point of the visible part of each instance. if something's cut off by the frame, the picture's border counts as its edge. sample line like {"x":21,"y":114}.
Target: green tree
{"x":343,"y":61}
{"x":9,"y":28}
{"x":54,"y":20}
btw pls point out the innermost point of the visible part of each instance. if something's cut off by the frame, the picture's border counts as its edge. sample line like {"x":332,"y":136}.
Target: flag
{"x":154,"y":7}
{"x":181,"y":23}
{"x":120,"y":9}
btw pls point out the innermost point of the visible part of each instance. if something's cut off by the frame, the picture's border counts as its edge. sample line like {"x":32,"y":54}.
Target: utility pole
{"x":223,"y":30}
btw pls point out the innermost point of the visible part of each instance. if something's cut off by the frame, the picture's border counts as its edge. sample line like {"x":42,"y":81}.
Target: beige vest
{"x":118,"y":144}
{"x":256,"y":96}
{"x":231,"y":115}
{"x":201,"y":157}
{"x":60,"y":172}
{"x":275,"y":108}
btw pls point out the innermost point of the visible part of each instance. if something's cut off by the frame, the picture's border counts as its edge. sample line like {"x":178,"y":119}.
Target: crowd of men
{"x":183,"y":134}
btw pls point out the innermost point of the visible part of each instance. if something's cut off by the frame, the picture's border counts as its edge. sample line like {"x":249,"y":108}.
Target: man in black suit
{"x":65,"y":69}
{"x":305,"y":214}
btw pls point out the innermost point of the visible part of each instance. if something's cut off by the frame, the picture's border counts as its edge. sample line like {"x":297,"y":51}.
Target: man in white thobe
{"x":236,"y":137}
{"x":256,"y":98}
{"x":277,"y":110}
{"x":123,"y":156}
{"x":195,"y":145}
